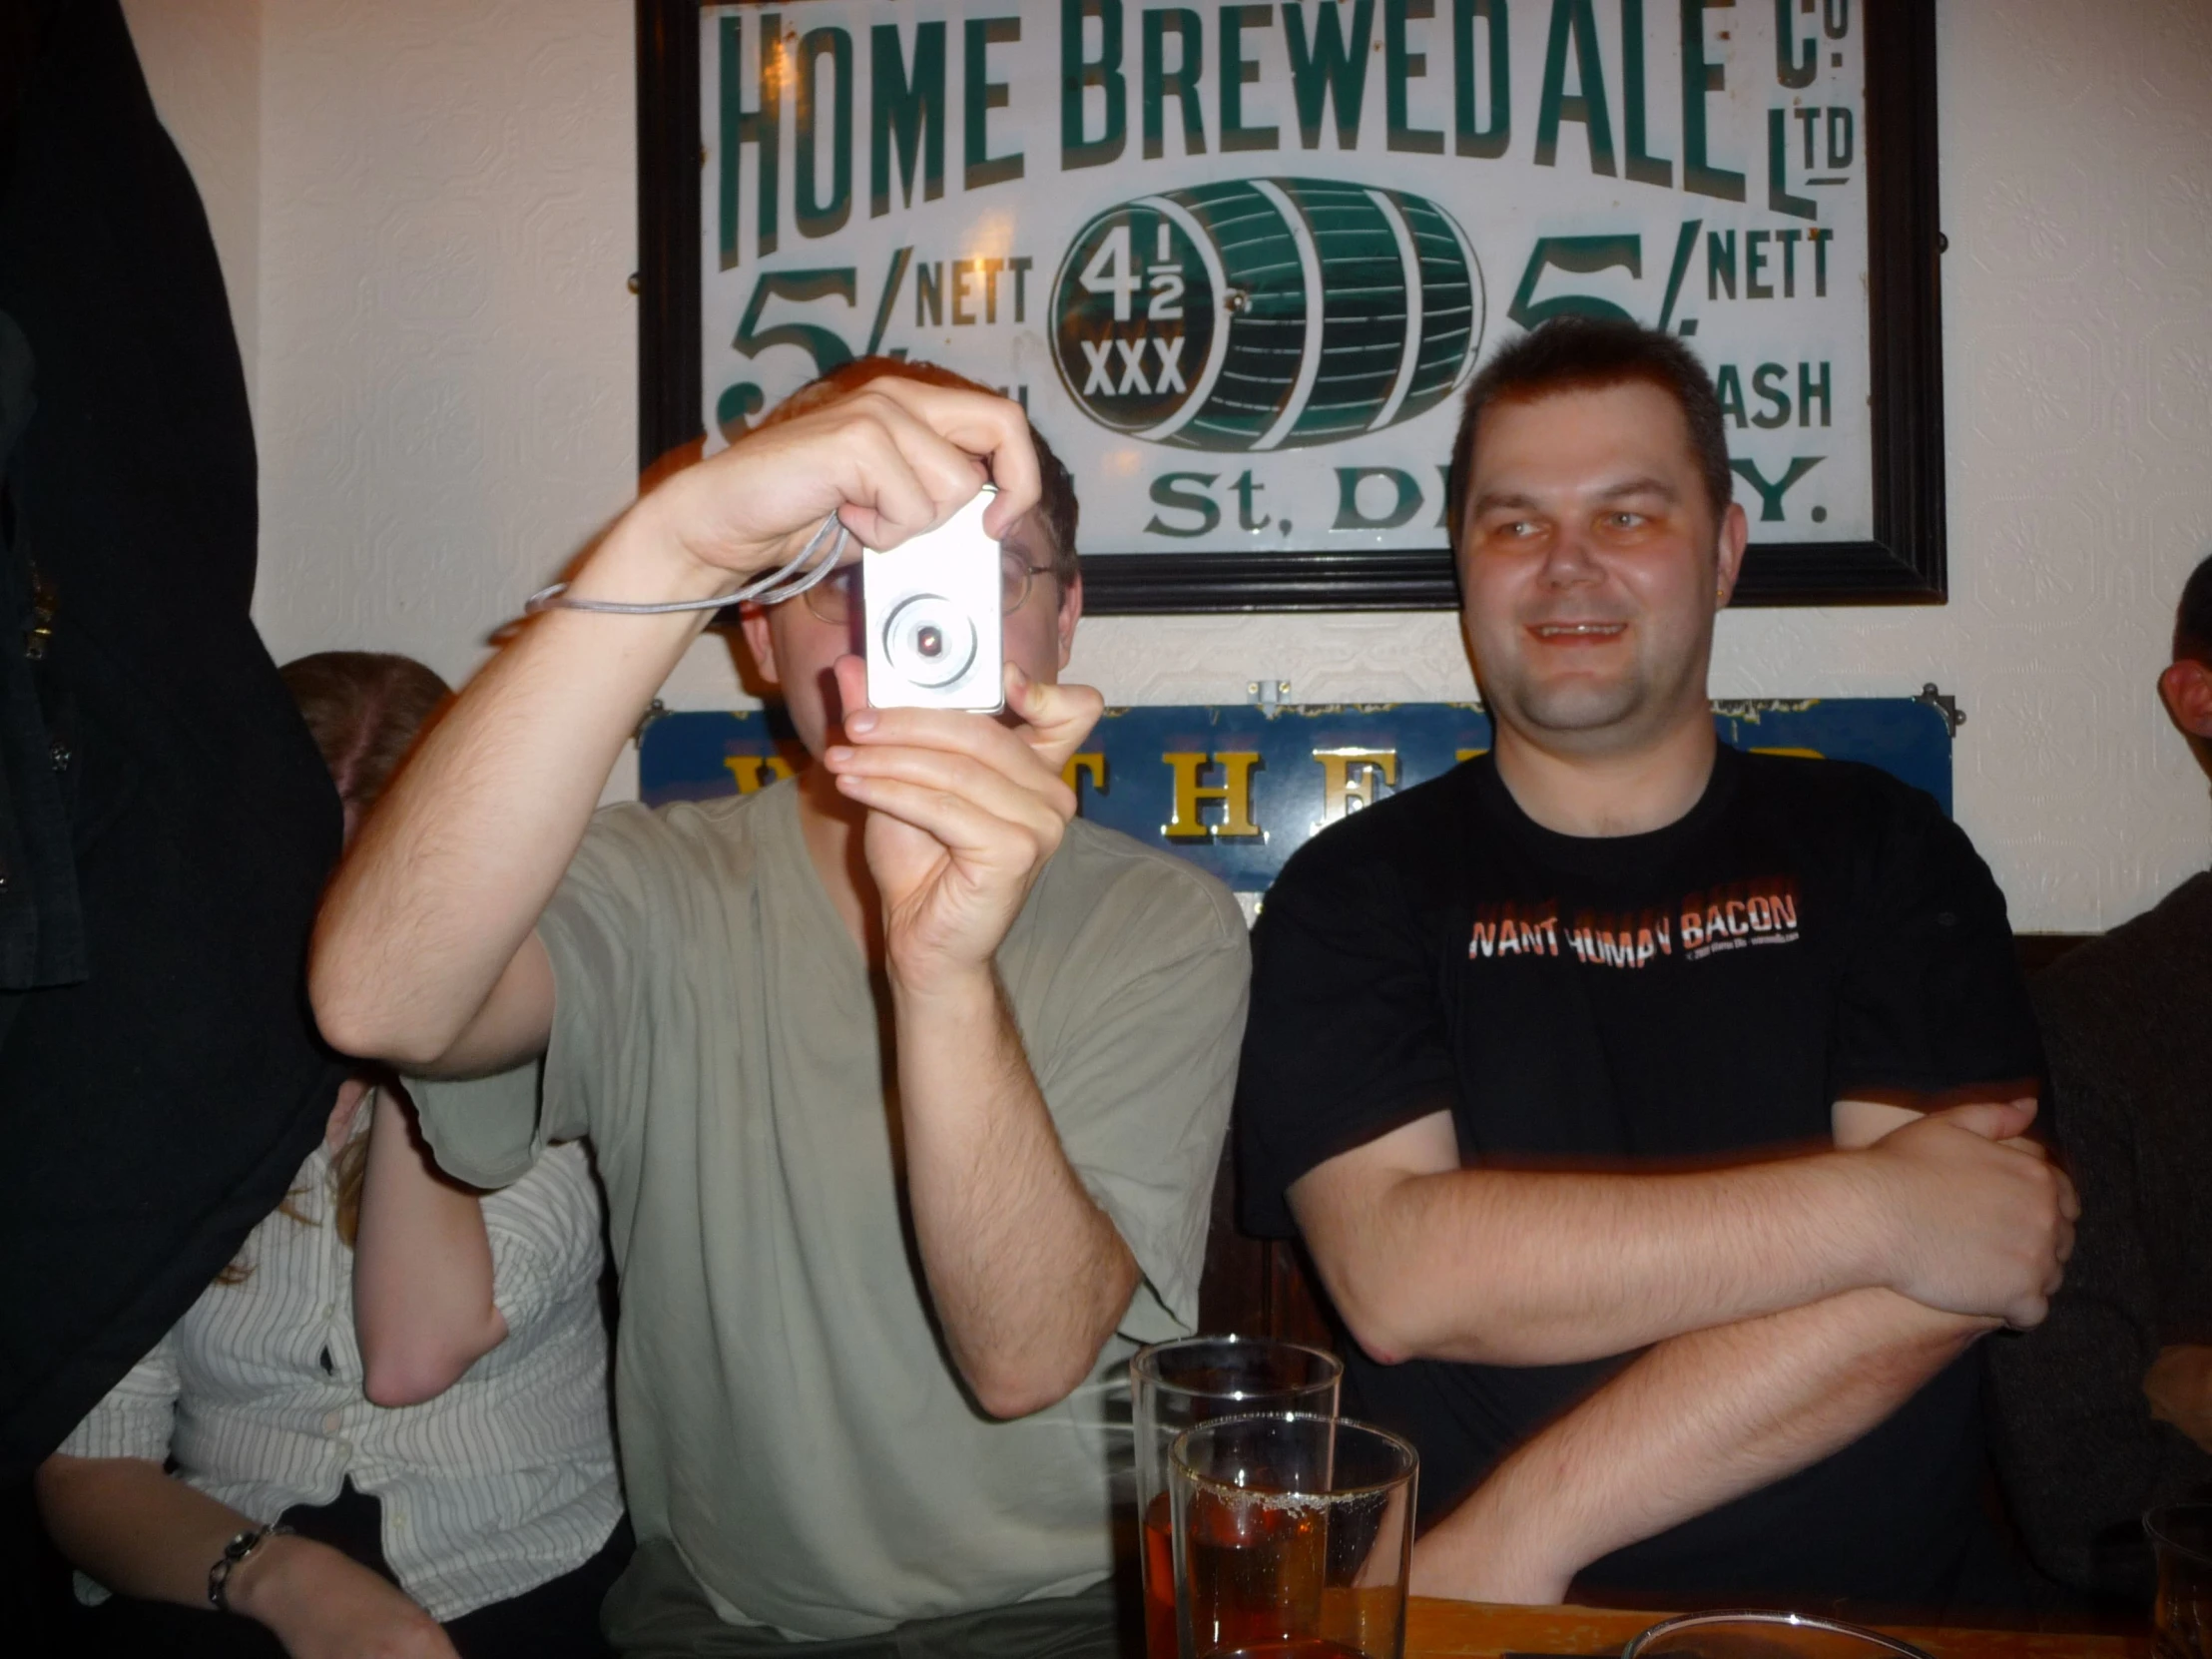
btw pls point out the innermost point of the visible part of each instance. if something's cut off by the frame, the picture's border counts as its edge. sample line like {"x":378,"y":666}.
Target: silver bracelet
{"x":787,"y":583}
{"x":235,"y":1554}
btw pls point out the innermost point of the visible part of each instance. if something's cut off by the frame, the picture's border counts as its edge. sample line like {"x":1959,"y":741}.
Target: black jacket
{"x":2125,"y":1026}
{"x":159,"y":1076}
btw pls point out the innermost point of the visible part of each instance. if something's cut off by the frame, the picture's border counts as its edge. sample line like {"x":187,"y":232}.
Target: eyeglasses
{"x":836,"y":598}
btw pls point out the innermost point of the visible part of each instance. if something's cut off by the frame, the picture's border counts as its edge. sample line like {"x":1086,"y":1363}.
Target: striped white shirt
{"x":504,"y":1481}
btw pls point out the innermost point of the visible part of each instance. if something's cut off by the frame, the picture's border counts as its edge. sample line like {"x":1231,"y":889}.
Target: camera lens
{"x":929,"y":640}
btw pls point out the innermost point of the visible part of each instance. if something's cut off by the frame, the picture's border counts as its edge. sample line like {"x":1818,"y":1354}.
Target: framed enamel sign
{"x":1238,"y":259}
{"x":1237,"y":788}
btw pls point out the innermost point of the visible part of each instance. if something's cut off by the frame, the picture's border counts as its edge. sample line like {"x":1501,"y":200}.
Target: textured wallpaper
{"x":448,"y":346}
{"x":445,"y":380}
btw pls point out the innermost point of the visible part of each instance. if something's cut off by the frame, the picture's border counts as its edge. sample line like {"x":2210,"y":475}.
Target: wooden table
{"x":1482,"y":1630}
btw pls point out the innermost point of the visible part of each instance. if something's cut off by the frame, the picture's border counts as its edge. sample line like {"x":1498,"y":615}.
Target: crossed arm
{"x":1793,"y":1305}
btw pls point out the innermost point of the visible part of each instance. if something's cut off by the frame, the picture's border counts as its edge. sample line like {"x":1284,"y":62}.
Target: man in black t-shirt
{"x":1592,"y":1072}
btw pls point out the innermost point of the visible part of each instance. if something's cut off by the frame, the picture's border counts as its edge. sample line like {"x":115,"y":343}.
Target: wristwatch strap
{"x":234,"y":1555}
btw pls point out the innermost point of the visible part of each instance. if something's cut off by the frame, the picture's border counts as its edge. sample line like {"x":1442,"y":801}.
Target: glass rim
{"x":1145,"y":1362}
{"x":1748,"y":1615}
{"x":2157,"y":1527}
{"x":1409,"y":1458}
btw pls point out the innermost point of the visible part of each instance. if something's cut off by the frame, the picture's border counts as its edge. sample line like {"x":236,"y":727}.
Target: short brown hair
{"x":1057,"y":504}
{"x":1587,"y":353}
{"x":365,"y":709}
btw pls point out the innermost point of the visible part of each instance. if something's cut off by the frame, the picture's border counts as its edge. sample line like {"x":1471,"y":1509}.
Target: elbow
{"x":1006,"y":1391}
{"x":355,"y":1020}
{"x":56,"y":1484}
{"x":1008,"y":1401}
{"x":1383,"y":1330}
{"x":1014,"y":1380}
{"x":1378,"y":1309}
{"x":344,"y":1011}
{"x":365,"y":1040}
{"x":393,"y":1379}
{"x":409,"y":1372}
{"x":1396,"y":1314}
{"x":1016,"y":1386}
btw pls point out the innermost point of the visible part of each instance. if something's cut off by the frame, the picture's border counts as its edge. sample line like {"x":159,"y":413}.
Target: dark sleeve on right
{"x":2080,"y":1456}
{"x":1932,"y":997}
{"x":1346,"y":1039}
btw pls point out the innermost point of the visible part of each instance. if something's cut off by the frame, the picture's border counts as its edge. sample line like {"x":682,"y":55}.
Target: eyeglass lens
{"x":836,"y":597}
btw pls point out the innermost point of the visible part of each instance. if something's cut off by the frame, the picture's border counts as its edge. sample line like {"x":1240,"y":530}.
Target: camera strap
{"x":811,"y":566}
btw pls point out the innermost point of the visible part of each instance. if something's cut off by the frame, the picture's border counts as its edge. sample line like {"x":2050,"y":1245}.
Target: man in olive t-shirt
{"x":906,"y":1089}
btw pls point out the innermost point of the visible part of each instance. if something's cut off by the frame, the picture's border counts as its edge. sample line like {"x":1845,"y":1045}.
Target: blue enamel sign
{"x":1237,"y":789}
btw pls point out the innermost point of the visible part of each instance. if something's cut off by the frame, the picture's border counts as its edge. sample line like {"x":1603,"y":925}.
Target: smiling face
{"x":1590,"y":567}
{"x":795,"y":647}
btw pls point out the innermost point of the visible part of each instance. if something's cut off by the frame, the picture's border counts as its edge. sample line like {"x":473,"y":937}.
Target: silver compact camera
{"x":934,"y":639}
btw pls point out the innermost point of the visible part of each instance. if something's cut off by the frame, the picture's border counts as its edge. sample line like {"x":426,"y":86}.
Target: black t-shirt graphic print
{"x":1808,"y":931}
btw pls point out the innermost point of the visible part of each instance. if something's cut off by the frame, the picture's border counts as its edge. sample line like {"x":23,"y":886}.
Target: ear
{"x":1735,"y":535}
{"x":1071,"y":612}
{"x":2186,"y":690}
{"x":760,"y":639}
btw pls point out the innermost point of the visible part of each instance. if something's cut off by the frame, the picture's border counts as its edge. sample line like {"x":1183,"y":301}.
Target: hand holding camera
{"x":965,"y":811}
{"x":891,"y":459}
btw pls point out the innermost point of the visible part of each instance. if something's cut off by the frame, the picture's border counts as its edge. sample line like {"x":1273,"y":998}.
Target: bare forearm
{"x":450,"y":874}
{"x":422,"y":1270}
{"x":1027,"y":1273}
{"x":142,"y":1533}
{"x":135,"y":1530}
{"x":1697,"y":1422}
{"x":1508,"y":1268}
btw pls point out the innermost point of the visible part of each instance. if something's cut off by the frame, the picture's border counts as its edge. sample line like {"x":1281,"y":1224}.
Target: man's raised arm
{"x":1026,"y":1271}
{"x":424,"y":953}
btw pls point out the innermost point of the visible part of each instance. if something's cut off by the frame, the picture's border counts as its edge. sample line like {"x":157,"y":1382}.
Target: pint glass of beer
{"x":1175,"y":1385}
{"x":2181,"y":1620}
{"x":1293,"y":1538}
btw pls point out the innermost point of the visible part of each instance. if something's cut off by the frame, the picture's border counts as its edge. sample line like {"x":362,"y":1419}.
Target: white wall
{"x":448,"y":343}
{"x":446,"y":398}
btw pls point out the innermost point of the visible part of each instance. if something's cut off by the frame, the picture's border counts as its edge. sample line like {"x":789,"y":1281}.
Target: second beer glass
{"x":1293,"y":1539}
{"x":1175,"y":1385}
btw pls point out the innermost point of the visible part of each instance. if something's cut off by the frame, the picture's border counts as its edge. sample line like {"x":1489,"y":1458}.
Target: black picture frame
{"x":1903,"y":563}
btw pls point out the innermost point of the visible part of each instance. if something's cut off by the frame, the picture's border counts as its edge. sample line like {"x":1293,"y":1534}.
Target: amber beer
{"x":1159,"y":1579}
{"x":1177,"y":1384}
{"x":1255,"y":1569}
{"x":1293,"y":1538}
{"x":1158,"y":1600}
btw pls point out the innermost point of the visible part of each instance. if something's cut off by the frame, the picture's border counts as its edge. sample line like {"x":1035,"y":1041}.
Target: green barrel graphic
{"x":1266,"y":314}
